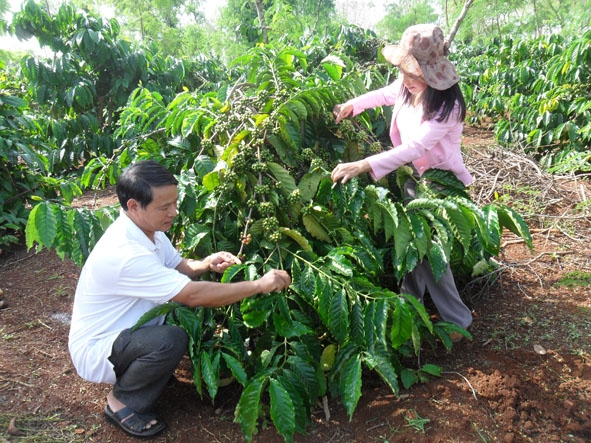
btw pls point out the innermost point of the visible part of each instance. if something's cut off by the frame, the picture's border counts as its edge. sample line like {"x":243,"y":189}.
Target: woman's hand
{"x":344,"y":172}
{"x":342,"y":111}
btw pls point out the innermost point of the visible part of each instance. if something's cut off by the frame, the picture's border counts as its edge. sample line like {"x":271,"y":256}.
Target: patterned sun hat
{"x":423,"y":52}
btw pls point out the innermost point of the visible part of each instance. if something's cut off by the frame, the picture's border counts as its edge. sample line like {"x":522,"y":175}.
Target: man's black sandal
{"x":133,"y":422}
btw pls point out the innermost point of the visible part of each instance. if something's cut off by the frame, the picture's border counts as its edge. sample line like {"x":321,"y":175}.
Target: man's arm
{"x":214,"y":294}
{"x":217,"y":262}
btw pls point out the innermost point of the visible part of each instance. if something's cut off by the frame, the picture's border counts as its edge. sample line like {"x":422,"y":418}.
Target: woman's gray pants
{"x":144,"y":361}
{"x":444,"y":292}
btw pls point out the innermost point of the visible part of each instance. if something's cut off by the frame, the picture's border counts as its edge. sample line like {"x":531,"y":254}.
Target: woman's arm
{"x":427,"y":136}
{"x":385,"y":96}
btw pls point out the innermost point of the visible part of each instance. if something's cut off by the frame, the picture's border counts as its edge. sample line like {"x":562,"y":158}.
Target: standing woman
{"x":426,"y":128}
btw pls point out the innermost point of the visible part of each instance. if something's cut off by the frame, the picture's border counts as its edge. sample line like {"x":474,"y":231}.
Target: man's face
{"x":159,"y":214}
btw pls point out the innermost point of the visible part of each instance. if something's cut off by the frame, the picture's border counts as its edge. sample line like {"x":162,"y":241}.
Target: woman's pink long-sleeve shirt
{"x":425,"y":144}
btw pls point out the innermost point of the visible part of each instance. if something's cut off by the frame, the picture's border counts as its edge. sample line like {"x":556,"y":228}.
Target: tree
{"x":458,"y":22}
{"x":246,"y":23}
{"x":402,"y":14}
{"x":518,"y":18}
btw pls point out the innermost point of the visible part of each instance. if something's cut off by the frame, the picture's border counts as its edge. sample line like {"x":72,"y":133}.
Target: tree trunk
{"x":456,"y":26}
{"x":261,"y":14}
{"x":317,"y":16}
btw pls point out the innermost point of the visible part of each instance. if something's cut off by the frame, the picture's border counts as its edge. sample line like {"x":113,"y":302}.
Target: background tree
{"x":516,"y":18}
{"x":245,"y":23}
{"x":401,"y":14}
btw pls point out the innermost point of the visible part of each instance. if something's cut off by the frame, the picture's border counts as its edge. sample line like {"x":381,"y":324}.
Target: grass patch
{"x":575,"y":278}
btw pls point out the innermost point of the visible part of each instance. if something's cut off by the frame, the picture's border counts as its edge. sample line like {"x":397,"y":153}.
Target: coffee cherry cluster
{"x":294,"y":197}
{"x":207,"y":144}
{"x":308,"y":154}
{"x":346,"y":130}
{"x":266,"y":209}
{"x":239,"y":161}
{"x":245,"y":239}
{"x":271,"y":229}
{"x":375,"y":147}
{"x":316,"y":163}
{"x":262,"y":189}
{"x":270,"y":224}
{"x":259,"y":167}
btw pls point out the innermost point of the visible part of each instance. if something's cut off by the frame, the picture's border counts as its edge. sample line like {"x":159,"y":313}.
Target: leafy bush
{"x":535,"y":92}
{"x":254,"y":161}
{"x":252,"y":146}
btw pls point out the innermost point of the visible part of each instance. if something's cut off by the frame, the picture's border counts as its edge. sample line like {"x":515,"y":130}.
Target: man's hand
{"x":220,"y":261}
{"x":274,"y":281}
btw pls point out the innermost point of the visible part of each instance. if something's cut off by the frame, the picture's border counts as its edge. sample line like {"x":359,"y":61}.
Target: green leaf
{"x":236,"y":367}
{"x":282,"y":410}
{"x":419,"y":309}
{"x":444,"y":180}
{"x":511,"y":220}
{"x":402,"y":319}
{"x":289,"y":328}
{"x":304,"y":281}
{"x":306,"y":373}
{"x":308,"y":186}
{"x":63,"y":238}
{"x":301,"y":408}
{"x":402,"y":234}
{"x":283,"y":176}
{"x":356,"y":323}
{"x":297,"y":237}
{"x":437,"y":260}
{"x":421,"y":233}
{"x":249,"y":406}
{"x":403,"y":174}
{"x":340,"y":264}
{"x":41,"y":226}
{"x":338,"y":316}
{"x":350,"y":384}
{"x":315,"y":228}
{"x":231,"y":272}
{"x":460,"y":225}
{"x":432,"y":369}
{"x":82,"y":228}
{"x":409,"y":377}
{"x":192,"y":321}
{"x":380,"y":361}
{"x":255,"y":310}
{"x":335,"y":71}
{"x":155,"y":312}
{"x":210,"y":371}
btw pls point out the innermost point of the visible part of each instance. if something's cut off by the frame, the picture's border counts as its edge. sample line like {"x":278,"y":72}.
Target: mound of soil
{"x":524,"y":377}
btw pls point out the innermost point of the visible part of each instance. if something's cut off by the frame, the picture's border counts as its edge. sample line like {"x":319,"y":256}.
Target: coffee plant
{"x":253,"y":161}
{"x":534,"y":92}
{"x":253,"y":146}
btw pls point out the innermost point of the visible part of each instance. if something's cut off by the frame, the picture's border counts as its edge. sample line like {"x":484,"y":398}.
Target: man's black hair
{"x":138,"y":179}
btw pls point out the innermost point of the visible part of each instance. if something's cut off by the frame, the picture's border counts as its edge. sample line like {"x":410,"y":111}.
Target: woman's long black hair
{"x":439,"y":102}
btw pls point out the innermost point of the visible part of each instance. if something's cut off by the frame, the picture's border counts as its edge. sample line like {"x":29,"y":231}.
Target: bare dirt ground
{"x":524,"y":377}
